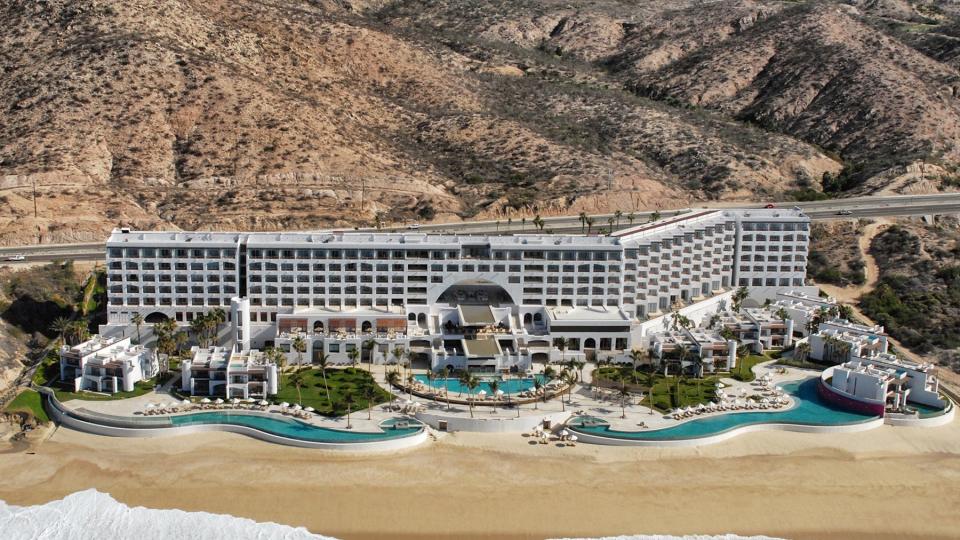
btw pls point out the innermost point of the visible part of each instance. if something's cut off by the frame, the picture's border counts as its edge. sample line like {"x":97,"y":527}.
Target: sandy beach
{"x":886,"y":483}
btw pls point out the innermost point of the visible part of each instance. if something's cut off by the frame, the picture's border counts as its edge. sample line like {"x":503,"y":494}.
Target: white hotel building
{"x":377,"y":290}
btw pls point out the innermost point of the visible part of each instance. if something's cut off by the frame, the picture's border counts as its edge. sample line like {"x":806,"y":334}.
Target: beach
{"x":885,"y":483}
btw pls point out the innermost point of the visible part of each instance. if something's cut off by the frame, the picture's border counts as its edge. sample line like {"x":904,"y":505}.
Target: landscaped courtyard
{"x":358,"y":383}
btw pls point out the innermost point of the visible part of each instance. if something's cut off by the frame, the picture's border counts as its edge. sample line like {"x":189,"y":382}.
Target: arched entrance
{"x":155,"y":317}
{"x":475,"y":292}
{"x":318,"y":327}
{"x":366,"y":327}
{"x":590,"y":349}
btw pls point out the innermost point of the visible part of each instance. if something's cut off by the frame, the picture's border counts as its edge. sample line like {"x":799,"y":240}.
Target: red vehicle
{"x":770,"y":205}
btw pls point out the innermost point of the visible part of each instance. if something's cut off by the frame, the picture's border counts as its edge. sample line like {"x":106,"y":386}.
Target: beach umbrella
{"x":284,"y":404}
{"x":149,"y":406}
{"x":235,"y":401}
{"x":573,"y":438}
{"x":249,"y":400}
{"x":297,"y":407}
{"x":564,"y":433}
{"x":309,"y":409}
{"x":719,"y":385}
{"x":263,"y":402}
{"x":482,"y":393}
{"x":499,"y":392}
{"x":219,"y":401}
{"x":186,"y":402}
{"x":205,"y":400}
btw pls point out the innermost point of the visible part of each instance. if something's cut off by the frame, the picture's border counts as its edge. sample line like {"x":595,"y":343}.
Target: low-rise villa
{"x":219,"y":371}
{"x":759,"y":329}
{"x":840,"y":340}
{"x":883,"y":382}
{"x":107,"y":365}
{"x":801,"y":308}
{"x":697,"y":348}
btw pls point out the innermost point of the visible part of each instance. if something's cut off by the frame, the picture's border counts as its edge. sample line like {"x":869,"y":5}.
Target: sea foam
{"x":91,"y":514}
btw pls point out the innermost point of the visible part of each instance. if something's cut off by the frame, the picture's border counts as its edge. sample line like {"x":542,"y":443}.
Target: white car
{"x":413,"y":226}
{"x":17,"y":257}
{"x":844,"y":213}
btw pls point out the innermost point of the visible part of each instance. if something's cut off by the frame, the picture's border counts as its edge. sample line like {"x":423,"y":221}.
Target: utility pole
{"x":363,"y":190}
{"x":35,"y":215}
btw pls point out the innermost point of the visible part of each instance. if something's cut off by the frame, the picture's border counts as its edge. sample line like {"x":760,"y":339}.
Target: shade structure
{"x":263,"y":402}
{"x":149,"y":406}
{"x":219,"y":401}
{"x":297,"y":407}
{"x":235,"y":400}
{"x":482,"y":393}
{"x":573,"y":438}
{"x":186,"y":402}
{"x":564,"y":433}
{"x":205,"y":400}
{"x":284,"y":404}
{"x":309,"y":409}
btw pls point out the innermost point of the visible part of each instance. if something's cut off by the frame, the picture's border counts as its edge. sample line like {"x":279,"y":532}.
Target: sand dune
{"x":886,"y":483}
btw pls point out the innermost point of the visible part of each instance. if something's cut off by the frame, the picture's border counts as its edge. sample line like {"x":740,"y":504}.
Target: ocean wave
{"x":91,"y":514}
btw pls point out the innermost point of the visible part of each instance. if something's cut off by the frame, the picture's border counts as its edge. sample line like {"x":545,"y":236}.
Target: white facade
{"x":801,"y":308}
{"x":595,"y":289}
{"x":107,"y":365}
{"x":840,"y":340}
{"x":216,"y":371}
{"x":759,"y":329}
{"x":885,"y":379}
{"x":706,"y":351}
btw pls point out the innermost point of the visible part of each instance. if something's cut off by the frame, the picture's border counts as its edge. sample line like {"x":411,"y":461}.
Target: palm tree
{"x":446,"y":375}
{"x":323,"y":360}
{"x":300,"y":346}
{"x":61,"y":325}
{"x":561,"y":343}
{"x":618,"y":214}
{"x":655,"y":216}
{"x":494,"y":386}
{"x":610,"y":222}
{"x":682,"y":351}
{"x":523,"y":223}
{"x":378,"y":220}
{"x":631,"y":217}
{"x":463,"y":379}
{"x":537,"y":386}
{"x":369,"y":394}
{"x":137,"y":321}
{"x":217,"y":317}
{"x":78,"y":330}
{"x":297,"y":379}
{"x":624,"y":394}
{"x":180,"y":339}
{"x":583,"y":222}
{"x":368,"y":345}
{"x":472,"y":383}
{"x":348,"y":401}
{"x":578,"y":365}
{"x":410,"y":380}
{"x":393,"y":378}
{"x":353,"y":355}
{"x":738,"y":297}
{"x":589,"y":225}
{"x":198,"y":327}
{"x":635,"y":356}
{"x":549,"y":372}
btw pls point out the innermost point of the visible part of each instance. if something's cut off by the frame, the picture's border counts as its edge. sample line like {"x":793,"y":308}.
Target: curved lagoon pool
{"x":509,"y":386}
{"x":808,"y":411}
{"x":287,"y":427}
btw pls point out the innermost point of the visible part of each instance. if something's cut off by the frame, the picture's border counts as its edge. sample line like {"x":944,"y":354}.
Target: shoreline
{"x":496,"y":485}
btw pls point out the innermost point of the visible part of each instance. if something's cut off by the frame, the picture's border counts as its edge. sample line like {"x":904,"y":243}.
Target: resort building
{"x":758,"y":328}
{"x":486,"y":302}
{"x":109,"y":365}
{"x":697,"y":350}
{"x":801,"y":308}
{"x":840,"y":340}
{"x":216,"y":371}
{"x":884,"y":382}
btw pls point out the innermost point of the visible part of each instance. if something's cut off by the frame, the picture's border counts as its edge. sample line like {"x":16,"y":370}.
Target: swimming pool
{"x":809,"y":411}
{"x":509,"y":386}
{"x":293,"y":429}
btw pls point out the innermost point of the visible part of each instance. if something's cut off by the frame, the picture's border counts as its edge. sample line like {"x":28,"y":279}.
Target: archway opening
{"x":155,"y":317}
{"x":318,"y":327}
{"x":366,"y":327}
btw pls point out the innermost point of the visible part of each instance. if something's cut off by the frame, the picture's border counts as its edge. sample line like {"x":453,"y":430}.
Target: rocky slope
{"x":318,"y":113}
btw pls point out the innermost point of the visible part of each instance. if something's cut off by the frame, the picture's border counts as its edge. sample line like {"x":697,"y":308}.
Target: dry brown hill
{"x":296,"y":113}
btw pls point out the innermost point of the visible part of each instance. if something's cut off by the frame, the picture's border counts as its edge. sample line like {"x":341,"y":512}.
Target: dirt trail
{"x":851,"y":295}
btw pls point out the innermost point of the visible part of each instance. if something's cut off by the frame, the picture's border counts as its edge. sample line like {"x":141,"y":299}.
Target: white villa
{"x":705,"y":349}
{"x":759,"y":329}
{"x":840,"y":340}
{"x":483,"y":302}
{"x":109,"y":365}
{"x":885,"y":382}
{"x":801,"y":308}
{"x":216,"y":371}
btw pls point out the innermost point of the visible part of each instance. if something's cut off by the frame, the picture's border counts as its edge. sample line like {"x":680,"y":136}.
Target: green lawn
{"x":48,"y":371}
{"x":339,"y":381}
{"x":666,"y":394}
{"x":29,"y":401}
{"x":744,"y":369}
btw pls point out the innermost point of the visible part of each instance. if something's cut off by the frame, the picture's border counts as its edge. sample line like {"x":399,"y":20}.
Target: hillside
{"x":308,"y":114}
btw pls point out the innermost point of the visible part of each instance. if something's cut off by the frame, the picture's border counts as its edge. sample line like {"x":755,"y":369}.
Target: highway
{"x":861,"y":207}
